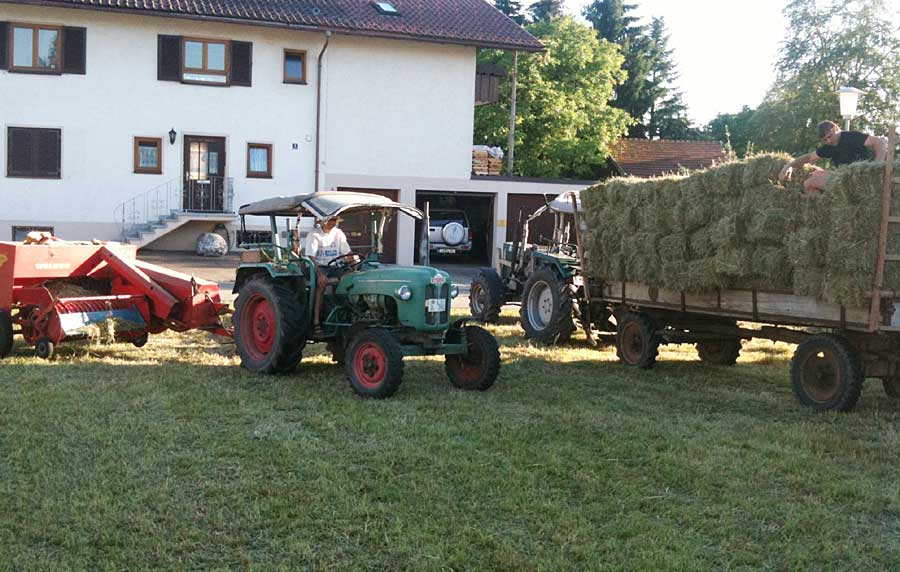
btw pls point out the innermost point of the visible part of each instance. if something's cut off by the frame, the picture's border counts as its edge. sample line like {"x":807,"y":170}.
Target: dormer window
{"x":386,"y":8}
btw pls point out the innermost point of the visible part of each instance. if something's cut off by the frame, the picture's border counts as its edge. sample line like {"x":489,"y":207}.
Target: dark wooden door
{"x":358,"y":227}
{"x":204,"y":174}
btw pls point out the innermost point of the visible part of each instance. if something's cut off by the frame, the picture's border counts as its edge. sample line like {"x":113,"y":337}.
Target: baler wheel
{"x":44,"y":348}
{"x":141,"y":340}
{"x":6,"y":334}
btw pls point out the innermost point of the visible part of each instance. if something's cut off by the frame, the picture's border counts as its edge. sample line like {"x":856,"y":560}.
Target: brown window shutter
{"x":74,"y":41}
{"x":4,"y":45}
{"x":47,"y":161}
{"x":19,"y":152}
{"x":168,"y":66}
{"x":242,"y":63}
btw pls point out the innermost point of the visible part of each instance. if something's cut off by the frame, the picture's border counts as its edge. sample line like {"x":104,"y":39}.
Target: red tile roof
{"x":653,"y":158}
{"x":467,"y":22}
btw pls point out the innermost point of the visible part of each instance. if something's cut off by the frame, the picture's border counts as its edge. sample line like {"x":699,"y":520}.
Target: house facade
{"x":155,"y":121}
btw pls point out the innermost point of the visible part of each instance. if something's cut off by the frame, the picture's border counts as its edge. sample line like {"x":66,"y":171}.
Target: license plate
{"x":446,"y":251}
{"x":436,"y":305}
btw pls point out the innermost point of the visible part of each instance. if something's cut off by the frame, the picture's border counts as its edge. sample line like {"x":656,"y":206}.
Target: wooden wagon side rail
{"x":886,"y":220}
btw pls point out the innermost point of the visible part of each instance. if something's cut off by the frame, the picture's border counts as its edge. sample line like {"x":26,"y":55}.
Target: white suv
{"x":449,"y":232}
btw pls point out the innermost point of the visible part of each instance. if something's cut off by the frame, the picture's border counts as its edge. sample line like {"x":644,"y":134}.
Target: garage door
{"x":358,"y":228}
{"x":543,"y":226}
{"x":479,"y":209}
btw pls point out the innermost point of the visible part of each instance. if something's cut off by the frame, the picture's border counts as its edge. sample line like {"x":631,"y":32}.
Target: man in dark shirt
{"x":842,"y":147}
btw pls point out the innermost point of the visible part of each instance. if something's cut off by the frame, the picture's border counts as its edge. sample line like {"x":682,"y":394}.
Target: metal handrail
{"x":214,"y":194}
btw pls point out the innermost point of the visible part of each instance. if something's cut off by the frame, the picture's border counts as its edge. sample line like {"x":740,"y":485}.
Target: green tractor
{"x":373,"y":315}
{"x":545,"y":279}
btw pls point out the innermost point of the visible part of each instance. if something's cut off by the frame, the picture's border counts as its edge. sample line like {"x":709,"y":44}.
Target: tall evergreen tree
{"x":512,"y":9}
{"x":667,"y":114}
{"x":546,"y":10}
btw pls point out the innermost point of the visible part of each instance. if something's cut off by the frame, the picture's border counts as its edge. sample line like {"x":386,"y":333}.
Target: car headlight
{"x":454,"y":290}
{"x":404,"y":293}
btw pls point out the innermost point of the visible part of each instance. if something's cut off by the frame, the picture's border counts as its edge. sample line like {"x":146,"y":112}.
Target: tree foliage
{"x":830,"y":44}
{"x":512,"y":9}
{"x":564,"y":123}
{"x":736,"y":129}
{"x":545,"y":10}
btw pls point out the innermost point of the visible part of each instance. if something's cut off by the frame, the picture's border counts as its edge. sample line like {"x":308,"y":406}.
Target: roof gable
{"x":468,"y":22}
{"x":658,"y":157}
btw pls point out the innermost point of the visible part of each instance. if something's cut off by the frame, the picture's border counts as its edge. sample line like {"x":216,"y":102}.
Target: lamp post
{"x":848,"y":97}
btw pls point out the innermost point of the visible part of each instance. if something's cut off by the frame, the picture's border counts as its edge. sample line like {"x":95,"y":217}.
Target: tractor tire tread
{"x":291,"y":339}
{"x":492,"y":286}
{"x":6,"y":333}
{"x":490,"y":350}
{"x":563,"y":322}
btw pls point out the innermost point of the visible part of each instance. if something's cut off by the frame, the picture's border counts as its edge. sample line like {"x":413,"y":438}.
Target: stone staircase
{"x":155,"y":213}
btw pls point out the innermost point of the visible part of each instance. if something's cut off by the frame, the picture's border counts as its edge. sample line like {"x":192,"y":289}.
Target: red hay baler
{"x":66,"y":291}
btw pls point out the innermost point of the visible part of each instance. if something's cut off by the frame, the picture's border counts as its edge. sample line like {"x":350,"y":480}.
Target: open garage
{"x":476,"y":210}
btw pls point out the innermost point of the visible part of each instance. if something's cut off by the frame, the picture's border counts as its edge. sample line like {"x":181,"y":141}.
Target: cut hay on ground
{"x":735,"y":226}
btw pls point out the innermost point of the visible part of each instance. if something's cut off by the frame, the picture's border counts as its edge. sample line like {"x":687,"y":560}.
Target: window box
{"x":33,"y":153}
{"x":294,"y":67}
{"x":148,"y":155}
{"x":259,"y":160}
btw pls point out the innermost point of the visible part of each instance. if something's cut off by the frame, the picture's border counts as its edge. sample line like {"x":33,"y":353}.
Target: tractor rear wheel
{"x":826,"y":373}
{"x":270,"y":326}
{"x":546,"y":312}
{"x":6,"y":333}
{"x":374,"y":364}
{"x":637,"y":344}
{"x":719,"y":352}
{"x":478,"y":368}
{"x":486,"y":295}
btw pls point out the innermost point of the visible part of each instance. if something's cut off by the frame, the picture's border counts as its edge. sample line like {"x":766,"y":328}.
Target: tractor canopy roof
{"x":561,"y":204}
{"x":326,"y":205}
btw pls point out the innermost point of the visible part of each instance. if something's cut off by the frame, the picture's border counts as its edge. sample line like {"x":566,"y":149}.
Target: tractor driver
{"x":325,"y":243}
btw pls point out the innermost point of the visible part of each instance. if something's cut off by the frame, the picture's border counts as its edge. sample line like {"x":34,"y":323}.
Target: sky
{"x":725,"y":50}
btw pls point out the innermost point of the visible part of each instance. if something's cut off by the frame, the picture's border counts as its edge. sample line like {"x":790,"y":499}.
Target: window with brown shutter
{"x":35,"y":48}
{"x":205,"y":61}
{"x":148,"y":155}
{"x":33,"y":153}
{"x":259,"y":160}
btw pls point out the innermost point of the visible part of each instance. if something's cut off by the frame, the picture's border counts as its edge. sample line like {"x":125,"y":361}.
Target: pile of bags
{"x":734,"y":226}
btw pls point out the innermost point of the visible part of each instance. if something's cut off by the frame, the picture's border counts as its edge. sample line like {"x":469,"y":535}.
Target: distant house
{"x":654,"y":158}
{"x":152,"y":121}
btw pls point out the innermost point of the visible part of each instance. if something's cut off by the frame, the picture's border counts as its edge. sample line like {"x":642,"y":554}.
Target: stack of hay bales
{"x":734,"y":226}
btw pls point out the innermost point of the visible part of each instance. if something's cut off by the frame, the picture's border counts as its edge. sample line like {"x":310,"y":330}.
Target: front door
{"x":204,"y":174}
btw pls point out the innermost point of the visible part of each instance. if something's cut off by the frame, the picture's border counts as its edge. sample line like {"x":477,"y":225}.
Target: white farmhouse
{"x":153,"y":120}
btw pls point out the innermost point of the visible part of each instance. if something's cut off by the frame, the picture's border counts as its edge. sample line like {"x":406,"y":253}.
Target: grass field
{"x":173,"y":458}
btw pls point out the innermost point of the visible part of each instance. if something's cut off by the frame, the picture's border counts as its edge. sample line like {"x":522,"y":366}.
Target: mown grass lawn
{"x":173,"y":458}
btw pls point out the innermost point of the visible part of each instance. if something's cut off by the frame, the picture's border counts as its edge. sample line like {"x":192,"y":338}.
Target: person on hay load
{"x":323,"y":244}
{"x":842,"y":147}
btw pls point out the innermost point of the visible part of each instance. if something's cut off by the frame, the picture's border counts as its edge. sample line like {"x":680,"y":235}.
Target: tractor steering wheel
{"x":333,"y":263}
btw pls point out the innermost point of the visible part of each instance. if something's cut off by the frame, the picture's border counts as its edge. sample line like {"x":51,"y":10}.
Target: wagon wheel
{"x":719,"y":352}
{"x":891,"y":386}
{"x":637,"y":344}
{"x":826,"y":373}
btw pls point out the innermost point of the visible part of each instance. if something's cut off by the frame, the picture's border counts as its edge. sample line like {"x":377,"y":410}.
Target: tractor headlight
{"x":404,"y":293}
{"x":454,"y":290}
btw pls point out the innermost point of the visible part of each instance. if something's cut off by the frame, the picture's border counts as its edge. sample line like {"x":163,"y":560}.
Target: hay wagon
{"x":838,"y":346}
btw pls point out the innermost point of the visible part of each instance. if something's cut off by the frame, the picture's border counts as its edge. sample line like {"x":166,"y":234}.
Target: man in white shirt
{"x":323,"y":244}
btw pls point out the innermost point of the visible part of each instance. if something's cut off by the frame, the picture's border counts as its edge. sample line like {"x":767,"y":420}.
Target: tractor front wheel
{"x":6,"y":334}
{"x":486,"y":295}
{"x":374,"y":364}
{"x":269,"y":326}
{"x":826,"y":373}
{"x":546,"y":311}
{"x":477,"y":369}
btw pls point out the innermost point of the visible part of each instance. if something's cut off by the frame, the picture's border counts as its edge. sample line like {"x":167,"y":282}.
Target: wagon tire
{"x":44,"y":347}
{"x":6,"y":334}
{"x":486,"y":294}
{"x":270,"y":326}
{"x":891,"y":386}
{"x":719,"y":352}
{"x":547,"y":308}
{"x":374,"y":364}
{"x":637,"y":344}
{"x":826,"y":373}
{"x":476,"y":370}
